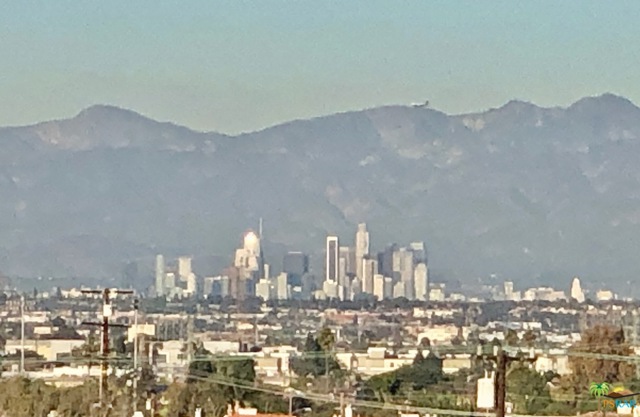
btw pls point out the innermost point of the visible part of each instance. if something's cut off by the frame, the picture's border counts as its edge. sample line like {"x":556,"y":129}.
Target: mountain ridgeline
{"x":521,"y":191}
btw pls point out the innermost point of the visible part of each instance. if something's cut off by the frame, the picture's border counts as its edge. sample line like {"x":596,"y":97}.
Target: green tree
{"x":423,"y":372}
{"x":606,"y":340}
{"x":239,"y":372}
{"x":21,"y":397}
{"x":200,"y":366}
{"x":529,"y":338}
{"x":119,"y":345}
{"x":511,"y":338}
{"x":457,"y":341}
{"x":326,"y":339}
{"x":527,"y":389}
{"x":316,"y":360}
{"x":225,"y":376}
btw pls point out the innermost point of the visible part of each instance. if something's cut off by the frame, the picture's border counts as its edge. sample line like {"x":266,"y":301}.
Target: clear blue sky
{"x":241,"y":65}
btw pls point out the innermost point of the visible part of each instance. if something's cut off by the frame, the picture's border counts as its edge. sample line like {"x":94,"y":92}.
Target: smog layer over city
{"x":319,"y":209}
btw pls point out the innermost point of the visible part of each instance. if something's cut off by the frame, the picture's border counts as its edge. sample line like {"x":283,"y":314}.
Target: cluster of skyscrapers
{"x":349,"y":272}
{"x":177,"y":280}
{"x":393,"y":273}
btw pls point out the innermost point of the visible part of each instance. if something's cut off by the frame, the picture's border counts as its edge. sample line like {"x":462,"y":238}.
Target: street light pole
{"x":291,"y":393}
{"x":135,"y":334}
{"x":135,"y":354}
{"x":22,"y":334}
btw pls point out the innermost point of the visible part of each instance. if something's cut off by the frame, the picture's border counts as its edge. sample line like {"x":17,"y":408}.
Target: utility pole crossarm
{"x":92,"y":323}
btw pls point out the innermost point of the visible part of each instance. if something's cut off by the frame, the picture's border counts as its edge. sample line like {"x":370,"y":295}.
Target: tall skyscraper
{"x":388,"y":287}
{"x":192,"y":284}
{"x":369,"y":270}
{"x":332,"y":263}
{"x":184,"y":267}
{"x":130,"y":275}
{"x":378,"y":287}
{"x":350,"y":256}
{"x":262,"y":268}
{"x":346,"y":255}
{"x":308,"y":286}
{"x":250,"y":266}
{"x":385,"y":260}
{"x":508,"y":290}
{"x":237,"y":287}
{"x":399,"y":290}
{"x":263,"y":289}
{"x":362,"y":247}
{"x":160,"y":276}
{"x":403,"y":267}
{"x":419,"y":252}
{"x":170,"y":287}
{"x":208,"y":286}
{"x":251,"y":245}
{"x":421,"y":282}
{"x":344,"y":280}
{"x":283,"y":291}
{"x":225,"y":286}
{"x":295,"y":264}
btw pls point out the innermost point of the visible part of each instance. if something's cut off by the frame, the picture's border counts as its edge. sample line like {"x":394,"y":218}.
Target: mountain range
{"x":527,"y":193}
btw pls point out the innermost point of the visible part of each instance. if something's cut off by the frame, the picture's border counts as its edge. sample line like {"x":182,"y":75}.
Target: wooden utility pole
{"x":502,"y":361}
{"x":501,"y":382}
{"x":107,"y":311}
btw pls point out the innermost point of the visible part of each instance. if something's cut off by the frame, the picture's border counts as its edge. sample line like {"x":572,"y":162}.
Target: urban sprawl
{"x":370,"y":336}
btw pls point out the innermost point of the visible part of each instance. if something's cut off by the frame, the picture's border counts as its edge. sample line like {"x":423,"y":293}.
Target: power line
{"x":329,"y":399}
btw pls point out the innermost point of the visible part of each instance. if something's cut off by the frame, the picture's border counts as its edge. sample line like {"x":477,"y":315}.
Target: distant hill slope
{"x":520,"y":191}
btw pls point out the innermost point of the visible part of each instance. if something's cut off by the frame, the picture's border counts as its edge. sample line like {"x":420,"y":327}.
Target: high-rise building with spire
{"x":262,"y":269}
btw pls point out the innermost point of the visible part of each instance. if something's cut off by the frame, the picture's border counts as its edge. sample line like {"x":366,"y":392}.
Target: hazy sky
{"x":239,"y":65}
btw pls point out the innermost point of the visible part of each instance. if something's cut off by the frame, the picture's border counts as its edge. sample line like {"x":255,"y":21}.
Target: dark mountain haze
{"x":531,"y":194}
